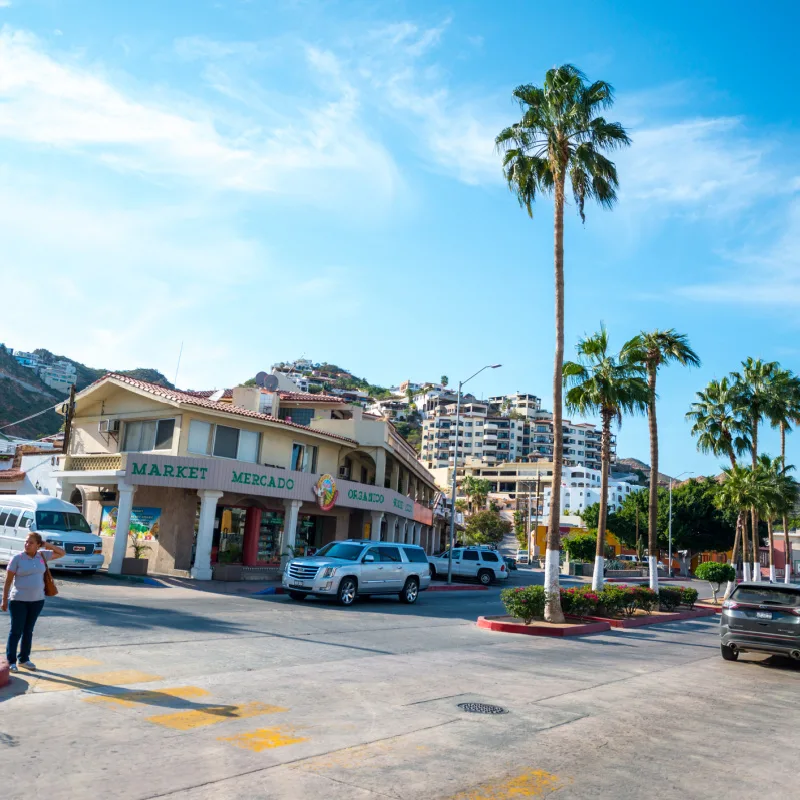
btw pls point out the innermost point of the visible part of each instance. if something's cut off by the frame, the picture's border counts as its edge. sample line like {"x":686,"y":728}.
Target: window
{"x":3,"y":515}
{"x":470,"y":555}
{"x":226,"y":441}
{"x":248,"y":446}
{"x":199,"y":437}
{"x":416,"y":555}
{"x":489,"y":556}
{"x":299,"y":416}
{"x":304,"y":458}
{"x":12,"y":517}
{"x":149,"y":434}
{"x":346,"y":552}
{"x":389,"y":554}
{"x":26,"y":519}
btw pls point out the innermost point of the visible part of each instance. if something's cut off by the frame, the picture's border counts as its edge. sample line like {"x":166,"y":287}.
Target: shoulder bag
{"x":50,"y":588}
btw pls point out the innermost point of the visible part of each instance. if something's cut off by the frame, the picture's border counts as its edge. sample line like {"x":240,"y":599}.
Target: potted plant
{"x":229,"y":566}
{"x":139,"y":563}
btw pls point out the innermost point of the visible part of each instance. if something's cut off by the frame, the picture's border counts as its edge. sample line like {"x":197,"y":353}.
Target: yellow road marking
{"x":186,"y":720}
{"x":532,"y":783}
{"x":158,"y":697}
{"x":91,"y":680}
{"x":264,"y":739}
{"x":65,"y":662}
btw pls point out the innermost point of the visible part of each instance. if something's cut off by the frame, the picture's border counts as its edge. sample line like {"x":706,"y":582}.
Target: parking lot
{"x":148,"y":692}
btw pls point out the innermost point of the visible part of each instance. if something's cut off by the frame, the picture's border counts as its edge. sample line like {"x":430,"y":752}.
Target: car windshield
{"x":61,"y":521}
{"x":767,"y":595}
{"x":346,"y":552}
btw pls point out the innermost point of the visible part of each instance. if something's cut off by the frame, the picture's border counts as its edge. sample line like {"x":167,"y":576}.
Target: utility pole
{"x":68,"y":421}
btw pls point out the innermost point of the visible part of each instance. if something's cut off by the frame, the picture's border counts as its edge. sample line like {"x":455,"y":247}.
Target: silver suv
{"x":354,"y":567}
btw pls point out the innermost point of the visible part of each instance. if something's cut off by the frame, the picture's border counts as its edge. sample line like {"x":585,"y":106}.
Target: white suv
{"x":471,"y":562}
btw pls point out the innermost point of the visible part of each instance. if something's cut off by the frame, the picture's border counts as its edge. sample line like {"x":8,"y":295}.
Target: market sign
{"x":240,"y":477}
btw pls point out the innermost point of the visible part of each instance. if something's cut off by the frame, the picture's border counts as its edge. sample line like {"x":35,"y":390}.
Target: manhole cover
{"x":482,"y":708}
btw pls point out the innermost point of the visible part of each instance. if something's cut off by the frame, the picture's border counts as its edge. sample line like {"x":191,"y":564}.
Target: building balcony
{"x":98,"y":462}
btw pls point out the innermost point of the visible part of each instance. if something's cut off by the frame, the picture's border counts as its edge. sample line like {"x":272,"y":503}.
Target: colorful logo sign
{"x":326,"y":492}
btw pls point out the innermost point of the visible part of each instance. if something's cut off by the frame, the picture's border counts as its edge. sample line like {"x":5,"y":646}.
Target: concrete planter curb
{"x":653,"y":619}
{"x":5,"y":675}
{"x":145,"y":581}
{"x":503,"y":625}
{"x":715,"y":609}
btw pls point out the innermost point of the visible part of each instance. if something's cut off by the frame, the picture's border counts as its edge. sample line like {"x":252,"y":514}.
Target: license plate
{"x":79,"y":560}
{"x":763,"y":615}
{"x":297,"y":586}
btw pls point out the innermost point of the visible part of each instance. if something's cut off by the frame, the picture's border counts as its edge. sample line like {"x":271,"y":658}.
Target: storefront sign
{"x":239,"y":477}
{"x":145,"y":522}
{"x":326,"y":492}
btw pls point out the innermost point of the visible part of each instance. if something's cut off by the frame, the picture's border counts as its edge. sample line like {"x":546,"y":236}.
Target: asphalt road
{"x":170,"y":692}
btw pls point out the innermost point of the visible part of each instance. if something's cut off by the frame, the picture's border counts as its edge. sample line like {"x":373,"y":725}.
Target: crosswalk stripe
{"x":264,"y":739}
{"x":212,"y":715}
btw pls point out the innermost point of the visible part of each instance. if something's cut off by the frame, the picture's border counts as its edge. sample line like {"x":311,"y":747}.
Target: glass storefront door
{"x":228,"y":535}
{"x":269,"y":538}
{"x":309,"y":534}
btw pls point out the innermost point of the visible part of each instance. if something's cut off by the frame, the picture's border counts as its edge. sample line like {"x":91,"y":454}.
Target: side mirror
{"x":369,"y":558}
{"x":32,"y":527}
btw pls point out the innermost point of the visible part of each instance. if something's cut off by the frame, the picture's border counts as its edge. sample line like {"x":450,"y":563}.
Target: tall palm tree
{"x":769,"y":501}
{"x":783,"y":412}
{"x":718,"y":421}
{"x":652,"y":349}
{"x":608,"y":385}
{"x":561,"y":134}
{"x":754,"y":384}
{"x":736,"y":492}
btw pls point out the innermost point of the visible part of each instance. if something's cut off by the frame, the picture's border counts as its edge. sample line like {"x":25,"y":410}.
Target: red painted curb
{"x":715,"y":609}
{"x":458,"y":587}
{"x":640,"y":622}
{"x":5,"y":675}
{"x":542,"y":630}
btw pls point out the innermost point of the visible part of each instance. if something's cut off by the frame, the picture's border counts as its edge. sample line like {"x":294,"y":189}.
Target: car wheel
{"x":347,"y":592}
{"x":298,"y":595}
{"x":410,"y":592}
{"x":728,"y":653}
{"x":433,"y":572}
{"x":485,"y":576}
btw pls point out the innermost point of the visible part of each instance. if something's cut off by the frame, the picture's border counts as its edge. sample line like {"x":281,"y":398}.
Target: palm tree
{"x":770,"y":473}
{"x":444,"y":380}
{"x":561,"y":133}
{"x":719,"y":425}
{"x":755,"y":388}
{"x":736,"y":492}
{"x":608,"y":385}
{"x":783,"y":412}
{"x":652,"y":350}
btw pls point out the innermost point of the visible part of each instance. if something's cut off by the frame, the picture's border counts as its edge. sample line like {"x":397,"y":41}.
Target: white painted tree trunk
{"x":787,"y":574}
{"x":746,"y":571}
{"x":757,"y":572}
{"x":772,"y":573}
{"x":551,"y":567}
{"x":652,"y":562}
{"x":598,"y":575}
{"x":729,"y":589}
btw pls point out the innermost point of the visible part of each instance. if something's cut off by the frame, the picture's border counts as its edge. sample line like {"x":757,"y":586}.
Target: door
{"x":456,"y":562}
{"x":394,"y":571}
{"x":372,"y":577}
{"x":5,"y":536}
{"x":14,"y":538}
{"x":470,"y":563}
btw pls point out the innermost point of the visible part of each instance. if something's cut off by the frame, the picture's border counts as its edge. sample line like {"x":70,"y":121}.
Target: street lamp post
{"x":455,"y":474}
{"x":671,"y":480}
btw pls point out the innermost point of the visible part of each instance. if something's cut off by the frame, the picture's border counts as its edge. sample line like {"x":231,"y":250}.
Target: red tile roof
{"x":206,"y":393}
{"x":303,"y":397}
{"x":192,"y":399}
{"x":12,"y":474}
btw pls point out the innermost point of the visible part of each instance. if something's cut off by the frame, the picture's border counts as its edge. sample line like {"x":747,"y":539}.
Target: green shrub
{"x":612,"y":599}
{"x":646,"y":598}
{"x":716,"y":574}
{"x":688,"y":596}
{"x":630,"y":600}
{"x":580,"y":601}
{"x":669,"y":598}
{"x":581,"y":546}
{"x":524,"y":602}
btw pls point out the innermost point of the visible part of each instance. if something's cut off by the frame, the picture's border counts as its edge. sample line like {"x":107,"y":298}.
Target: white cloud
{"x":321,"y":154}
{"x":5,"y":3}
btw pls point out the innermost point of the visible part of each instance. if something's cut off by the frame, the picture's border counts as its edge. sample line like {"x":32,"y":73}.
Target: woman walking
{"x":23,"y":596}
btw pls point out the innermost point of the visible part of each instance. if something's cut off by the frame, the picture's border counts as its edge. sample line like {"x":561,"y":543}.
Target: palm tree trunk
{"x":552,"y":610}
{"x":652,"y":518}
{"x":732,"y":584}
{"x":747,"y":560}
{"x":771,"y":551}
{"x":605,"y":457}
{"x":756,"y":576}
{"x":787,"y":554}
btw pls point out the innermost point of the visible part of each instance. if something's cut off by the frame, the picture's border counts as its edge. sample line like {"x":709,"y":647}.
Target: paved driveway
{"x":168,"y":692}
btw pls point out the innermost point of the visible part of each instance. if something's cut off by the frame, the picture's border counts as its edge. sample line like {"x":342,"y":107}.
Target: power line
{"x":32,"y":416}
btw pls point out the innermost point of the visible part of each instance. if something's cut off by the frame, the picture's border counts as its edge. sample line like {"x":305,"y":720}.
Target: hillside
{"x":635,"y":465}
{"x":23,"y":392}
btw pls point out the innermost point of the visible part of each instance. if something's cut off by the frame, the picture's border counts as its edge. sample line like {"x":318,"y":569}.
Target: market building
{"x":237,"y":481}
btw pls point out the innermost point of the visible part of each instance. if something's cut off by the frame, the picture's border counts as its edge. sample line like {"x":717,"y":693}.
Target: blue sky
{"x":267,"y":180}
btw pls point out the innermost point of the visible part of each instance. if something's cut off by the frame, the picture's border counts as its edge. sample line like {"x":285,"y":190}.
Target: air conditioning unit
{"x":344,"y":472}
{"x":110,"y":426}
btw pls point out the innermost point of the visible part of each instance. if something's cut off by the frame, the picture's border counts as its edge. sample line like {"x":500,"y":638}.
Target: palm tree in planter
{"x":736,"y":492}
{"x":754,"y":384}
{"x":652,"y":350}
{"x":609,"y":385}
{"x":783,"y":412}
{"x":561,"y":135}
{"x":777,"y":495}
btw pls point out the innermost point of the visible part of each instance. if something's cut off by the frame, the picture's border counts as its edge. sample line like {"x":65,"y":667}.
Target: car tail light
{"x":730,"y":604}
{"x":502,"y":568}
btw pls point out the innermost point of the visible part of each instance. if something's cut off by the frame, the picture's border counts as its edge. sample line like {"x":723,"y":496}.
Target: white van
{"x":55,"y":521}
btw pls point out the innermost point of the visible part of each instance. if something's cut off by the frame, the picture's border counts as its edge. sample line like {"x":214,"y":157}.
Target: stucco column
{"x":124,"y":508}
{"x":252,"y":531}
{"x":375,"y":531}
{"x":64,"y":488}
{"x":380,"y":467}
{"x":394,"y":479}
{"x":201,"y":571}
{"x":289,"y":528}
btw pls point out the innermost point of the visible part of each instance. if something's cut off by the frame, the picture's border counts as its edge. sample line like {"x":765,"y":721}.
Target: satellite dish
{"x":217,"y":395}
{"x":261,"y":379}
{"x":270,"y":383}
